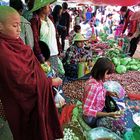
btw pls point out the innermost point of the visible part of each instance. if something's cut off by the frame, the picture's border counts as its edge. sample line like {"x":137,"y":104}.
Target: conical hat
{"x":41,"y":3}
{"x":79,"y":37}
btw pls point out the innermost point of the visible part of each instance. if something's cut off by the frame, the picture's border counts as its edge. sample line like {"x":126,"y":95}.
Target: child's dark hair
{"x":77,"y":28}
{"x":123,"y":9}
{"x":17,"y":4}
{"x":65,"y":5}
{"x":44,"y":50}
{"x":100,"y":67}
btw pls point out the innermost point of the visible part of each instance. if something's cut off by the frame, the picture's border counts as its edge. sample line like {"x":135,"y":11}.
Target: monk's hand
{"x":56,"y":81}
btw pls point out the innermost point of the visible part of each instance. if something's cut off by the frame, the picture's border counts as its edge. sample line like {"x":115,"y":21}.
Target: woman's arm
{"x":108,"y":114}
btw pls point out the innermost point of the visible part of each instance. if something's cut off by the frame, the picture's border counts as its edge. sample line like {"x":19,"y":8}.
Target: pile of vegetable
{"x":103,"y":36}
{"x":69,"y":134}
{"x":130,"y":81}
{"x":125,"y":64}
{"x":73,"y":131}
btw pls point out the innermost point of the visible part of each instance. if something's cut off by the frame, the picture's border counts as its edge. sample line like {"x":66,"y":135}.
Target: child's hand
{"x":48,"y":63}
{"x":57,"y":81}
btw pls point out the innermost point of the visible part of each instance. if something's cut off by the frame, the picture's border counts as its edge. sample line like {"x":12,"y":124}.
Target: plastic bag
{"x":67,"y":45}
{"x":102,"y":133}
{"x":114,"y":86}
{"x":59,"y":100}
{"x":60,"y":67}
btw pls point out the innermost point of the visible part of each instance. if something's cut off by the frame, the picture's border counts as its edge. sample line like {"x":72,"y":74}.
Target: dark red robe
{"x":26,"y":93}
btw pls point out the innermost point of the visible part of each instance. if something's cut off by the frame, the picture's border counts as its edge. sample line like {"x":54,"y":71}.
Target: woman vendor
{"x":74,"y":55}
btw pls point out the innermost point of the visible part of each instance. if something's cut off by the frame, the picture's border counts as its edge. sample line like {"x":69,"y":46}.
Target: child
{"x":94,"y":102}
{"x":25,"y":92}
{"x":76,"y":29}
{"x":59,"y":100}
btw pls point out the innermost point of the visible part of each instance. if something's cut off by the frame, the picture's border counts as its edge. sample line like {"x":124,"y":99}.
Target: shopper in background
{"x":56,"y":16}
{"x":64,"y":21}
{"x":44,"y":30}
{"x":131,"y":26}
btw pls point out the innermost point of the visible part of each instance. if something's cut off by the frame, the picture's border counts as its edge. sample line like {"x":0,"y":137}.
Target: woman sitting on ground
{"x":96,"y":111}
{"x":74,"y":55}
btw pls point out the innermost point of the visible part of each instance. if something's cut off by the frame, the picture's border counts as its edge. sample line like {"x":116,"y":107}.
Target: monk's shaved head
{"x":5,"y":12}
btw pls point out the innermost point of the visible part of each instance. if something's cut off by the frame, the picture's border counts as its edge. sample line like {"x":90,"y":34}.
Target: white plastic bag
{"x":59,"y":100}
{"x":114,"y":86}
{"x":102,"y":133}
{"x":67,"y":45}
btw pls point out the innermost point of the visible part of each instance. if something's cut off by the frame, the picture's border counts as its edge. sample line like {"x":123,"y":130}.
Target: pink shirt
{"x":95,"y":97}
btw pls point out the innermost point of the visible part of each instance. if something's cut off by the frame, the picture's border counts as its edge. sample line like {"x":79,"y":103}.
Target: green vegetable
{"x":138,"y":65}
{"x":121,"y":69}
{"x":133,"y":62}
{"x":128,"y":67}
{"x":134,"y":67}
{"x":116,"y":61}
{"x":124,"y":61}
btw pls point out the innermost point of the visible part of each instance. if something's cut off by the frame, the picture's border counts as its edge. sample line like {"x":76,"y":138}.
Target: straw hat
{"x":79,"y":37}
{"x":41,"y":3}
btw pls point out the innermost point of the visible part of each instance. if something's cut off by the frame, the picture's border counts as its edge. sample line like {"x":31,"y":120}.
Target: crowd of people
{"x":28,"y":95}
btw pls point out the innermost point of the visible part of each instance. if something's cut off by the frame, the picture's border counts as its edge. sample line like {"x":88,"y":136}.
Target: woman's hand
{"x":57,"y":81}
{"x":82,"y":59}
{"x":115,"y":114}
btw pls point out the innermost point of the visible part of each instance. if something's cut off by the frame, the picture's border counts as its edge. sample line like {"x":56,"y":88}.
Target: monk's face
{"x":11,"y":26}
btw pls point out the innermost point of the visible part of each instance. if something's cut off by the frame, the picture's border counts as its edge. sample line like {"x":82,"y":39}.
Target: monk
{"x":25,"y":92}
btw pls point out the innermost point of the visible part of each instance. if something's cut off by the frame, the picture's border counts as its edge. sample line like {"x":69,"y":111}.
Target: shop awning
{"x":108,"y":2}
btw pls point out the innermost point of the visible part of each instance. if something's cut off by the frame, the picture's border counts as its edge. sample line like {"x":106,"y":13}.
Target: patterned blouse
{"x":73,"y":54}
{"x":95,"y":97}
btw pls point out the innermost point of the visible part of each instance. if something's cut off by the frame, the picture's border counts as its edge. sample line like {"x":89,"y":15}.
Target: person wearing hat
{"x":131,"y":25}
{"x":44,"y":30}
{"x":75,"y":54}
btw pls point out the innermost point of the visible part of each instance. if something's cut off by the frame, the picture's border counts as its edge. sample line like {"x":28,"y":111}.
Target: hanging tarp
{"x":117,"y":2}
{"x":108,"y":2}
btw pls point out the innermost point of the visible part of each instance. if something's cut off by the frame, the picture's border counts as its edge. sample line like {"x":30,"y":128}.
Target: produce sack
{"x":102,"y":133}
{"x":114,"y":86}
{"x":121,"y":69}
